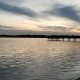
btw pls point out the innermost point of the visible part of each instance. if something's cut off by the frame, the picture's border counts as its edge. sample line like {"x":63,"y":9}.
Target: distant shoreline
{"x":49,"y":37}
{"x":41,"y":36}
{"x":24,"y":36}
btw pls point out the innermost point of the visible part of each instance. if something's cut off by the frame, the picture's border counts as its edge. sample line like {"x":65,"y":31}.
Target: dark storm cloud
{"x":17,"y":10}
{"x":64,"y":11}
{"x":69,"y":12}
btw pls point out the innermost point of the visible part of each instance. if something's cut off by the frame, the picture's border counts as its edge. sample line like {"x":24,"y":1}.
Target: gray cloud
{"x":55,"y":28}
{"x":24,"y":32}
{"x":13,"y":2}
{"x":17,"y":10}
{"x":3,"y":27}
{"x":64,"y":11}
{"x":12,"y":31}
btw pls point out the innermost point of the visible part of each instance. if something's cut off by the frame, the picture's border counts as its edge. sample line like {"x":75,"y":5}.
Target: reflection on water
{"x":38,"y":59}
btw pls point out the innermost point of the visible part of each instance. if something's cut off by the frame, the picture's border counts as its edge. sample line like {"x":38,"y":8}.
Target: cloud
{"x":24,"y":32}
{"x":69,"y":12}
{"x":3,"y":27}
{"x":13,"y":2}
{"x":55,"y":28}
{"x":17,"y":10}
{"x":64,"y":11}
{"x":10,"y":30}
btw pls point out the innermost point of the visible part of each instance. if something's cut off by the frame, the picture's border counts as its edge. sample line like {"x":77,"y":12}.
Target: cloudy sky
{"x":39,"y":16}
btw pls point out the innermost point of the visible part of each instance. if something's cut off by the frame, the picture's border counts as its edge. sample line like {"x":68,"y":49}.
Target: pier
{"x":63,"y":37}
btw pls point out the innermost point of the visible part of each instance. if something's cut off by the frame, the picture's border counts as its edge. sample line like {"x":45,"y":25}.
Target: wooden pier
{"x":63,"y":37}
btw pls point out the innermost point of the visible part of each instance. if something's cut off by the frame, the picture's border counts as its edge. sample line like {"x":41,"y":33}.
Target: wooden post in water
{"x":62,"y":39}
{"x":74,"y":39}
{"x":69,"y":39}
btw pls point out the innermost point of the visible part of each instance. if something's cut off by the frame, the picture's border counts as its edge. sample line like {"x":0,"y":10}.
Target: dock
{"x":63,"y":37}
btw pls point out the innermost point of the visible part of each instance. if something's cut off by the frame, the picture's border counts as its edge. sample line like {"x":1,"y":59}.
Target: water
{"x":38,"y":59}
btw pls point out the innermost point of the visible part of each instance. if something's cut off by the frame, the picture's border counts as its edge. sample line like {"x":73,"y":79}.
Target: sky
{"x":39,"y":16}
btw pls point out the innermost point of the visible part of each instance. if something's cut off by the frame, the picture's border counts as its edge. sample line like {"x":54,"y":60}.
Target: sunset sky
{"x":39,"y":16}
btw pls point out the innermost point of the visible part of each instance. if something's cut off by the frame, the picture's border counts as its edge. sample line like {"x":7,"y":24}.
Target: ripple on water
{"x":38,"y":59}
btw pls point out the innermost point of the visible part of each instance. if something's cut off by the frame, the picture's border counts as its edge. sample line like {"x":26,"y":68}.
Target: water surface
{"x":38,"y":59}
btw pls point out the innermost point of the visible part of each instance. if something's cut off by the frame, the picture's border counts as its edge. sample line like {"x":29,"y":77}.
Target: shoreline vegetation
{"x":42,"y":36}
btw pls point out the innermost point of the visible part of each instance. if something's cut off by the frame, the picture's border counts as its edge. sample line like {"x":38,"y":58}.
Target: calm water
{"x":38,"y":59}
